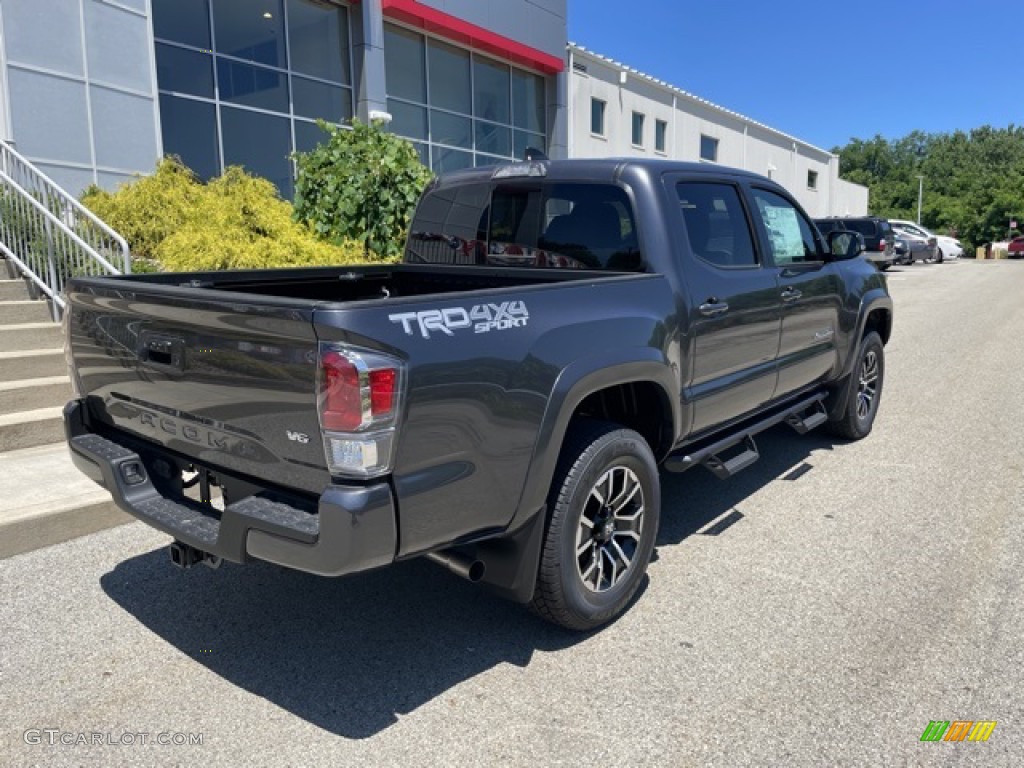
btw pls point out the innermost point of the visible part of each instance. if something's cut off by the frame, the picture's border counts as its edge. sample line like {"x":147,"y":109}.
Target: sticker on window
{"x":784,"y":231}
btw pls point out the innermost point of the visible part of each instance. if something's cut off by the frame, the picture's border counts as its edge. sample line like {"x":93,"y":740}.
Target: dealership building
{"x":95,"y":91}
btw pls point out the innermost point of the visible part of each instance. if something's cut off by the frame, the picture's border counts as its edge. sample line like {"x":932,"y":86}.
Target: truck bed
{"x":356,"y":283}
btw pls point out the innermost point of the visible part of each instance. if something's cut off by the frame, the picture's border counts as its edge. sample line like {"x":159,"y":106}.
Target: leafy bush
{"x":361,"y":184}
{"x":147,"y":211}
{"x":236,"y":221}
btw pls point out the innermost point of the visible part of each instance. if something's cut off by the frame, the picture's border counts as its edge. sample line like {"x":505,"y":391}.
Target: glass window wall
{"x":460,"y":108}
{"x":242,"y":81}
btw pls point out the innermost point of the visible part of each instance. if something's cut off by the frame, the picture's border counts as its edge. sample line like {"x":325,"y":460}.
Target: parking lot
{"x":819,"y":609}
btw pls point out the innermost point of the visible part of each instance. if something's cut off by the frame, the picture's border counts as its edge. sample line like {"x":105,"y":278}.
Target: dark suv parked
{"x":879,"y":238}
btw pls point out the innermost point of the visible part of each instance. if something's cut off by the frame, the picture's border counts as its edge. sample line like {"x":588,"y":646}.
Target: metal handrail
{"x":48,"y":234}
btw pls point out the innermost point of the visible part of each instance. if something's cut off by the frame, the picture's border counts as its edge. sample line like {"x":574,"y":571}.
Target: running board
{"x":804,"y":424}
{"x":724,"y":469}
{"x":708,"y":454}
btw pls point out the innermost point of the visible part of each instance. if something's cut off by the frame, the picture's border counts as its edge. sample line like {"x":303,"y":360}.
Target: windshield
{"x":913,"y":229}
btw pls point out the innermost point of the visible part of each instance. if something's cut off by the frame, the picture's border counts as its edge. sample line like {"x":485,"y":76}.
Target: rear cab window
{"x":863,"y":226}
{"x":716,"y":224}
{"x":527,"y":224}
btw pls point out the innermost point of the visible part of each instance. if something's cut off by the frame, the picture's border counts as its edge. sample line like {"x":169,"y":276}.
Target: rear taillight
{"x":359,"y":395}
{"x":881,"y":244}
{"x":382,"y":392}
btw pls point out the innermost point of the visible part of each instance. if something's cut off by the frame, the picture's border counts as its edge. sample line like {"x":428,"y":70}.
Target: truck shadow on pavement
{"x":691,"y":501}
{"x":351,"y":655}
{"x":348,"y":655}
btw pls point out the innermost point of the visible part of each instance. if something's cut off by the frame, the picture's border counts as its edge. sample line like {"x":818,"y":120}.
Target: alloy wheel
{"x":609,"y":529}
{"x":867,"y":389}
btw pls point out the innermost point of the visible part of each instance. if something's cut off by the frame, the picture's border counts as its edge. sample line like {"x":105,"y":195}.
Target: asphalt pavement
{"x":820,"y":609}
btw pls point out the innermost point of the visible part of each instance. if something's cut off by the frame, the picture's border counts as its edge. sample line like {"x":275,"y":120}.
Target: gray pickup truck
{"x":502,"y":400}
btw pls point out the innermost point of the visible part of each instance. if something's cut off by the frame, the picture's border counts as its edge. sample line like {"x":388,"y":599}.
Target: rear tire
{"x":938,"y":256}
{"x":604,"y":504}
{"x":863,"y":391}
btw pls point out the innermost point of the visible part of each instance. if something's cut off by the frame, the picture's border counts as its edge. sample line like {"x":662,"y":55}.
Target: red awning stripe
{"x":455,"y":29}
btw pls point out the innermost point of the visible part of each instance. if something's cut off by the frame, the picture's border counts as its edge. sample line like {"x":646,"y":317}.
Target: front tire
{"x":864,"y":391}
{"x":604,"y":505}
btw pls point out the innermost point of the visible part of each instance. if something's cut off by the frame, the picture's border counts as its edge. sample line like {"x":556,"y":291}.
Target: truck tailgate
{"x":227,"y":380}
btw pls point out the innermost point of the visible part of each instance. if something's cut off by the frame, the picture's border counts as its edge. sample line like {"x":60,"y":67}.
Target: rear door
{"x":809,"y":288}
{"x":735,"y":308}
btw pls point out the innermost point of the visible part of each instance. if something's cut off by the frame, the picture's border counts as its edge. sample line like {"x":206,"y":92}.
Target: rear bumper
{"x":353,"y":529}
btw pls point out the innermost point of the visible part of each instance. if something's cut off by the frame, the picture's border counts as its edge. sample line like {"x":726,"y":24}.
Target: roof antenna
{"x":532,"y":154}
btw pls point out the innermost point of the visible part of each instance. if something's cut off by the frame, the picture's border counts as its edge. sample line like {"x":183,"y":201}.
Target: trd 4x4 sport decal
{"x":482,"y":318}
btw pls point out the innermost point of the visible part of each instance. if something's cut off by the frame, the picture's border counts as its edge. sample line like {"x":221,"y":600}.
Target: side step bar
{"x":804,"y":424}
{"x":803,"y":416}
{"x":724,"y":469}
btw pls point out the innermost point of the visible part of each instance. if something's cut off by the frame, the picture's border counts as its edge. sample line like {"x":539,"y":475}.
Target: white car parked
{"x":949,"y":247}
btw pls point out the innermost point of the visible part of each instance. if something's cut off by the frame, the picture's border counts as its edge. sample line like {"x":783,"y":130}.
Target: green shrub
{"x":147,"y":211}
{"x":361,"y":184}
{"x":236,"y":221}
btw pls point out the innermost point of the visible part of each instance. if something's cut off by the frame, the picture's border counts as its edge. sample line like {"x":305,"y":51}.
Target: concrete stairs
{"x":45,"y":499}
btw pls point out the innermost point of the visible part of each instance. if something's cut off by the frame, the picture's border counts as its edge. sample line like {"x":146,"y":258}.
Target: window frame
{"x":633,"y":129}
{"x":603,"y":133}
{"x":763,"y":230}
{"x":430,"y":147}
{"x":660,"y":136}
{"x":812,"y":179}
{"x":530,"y":186}
{"x":709,"y":137}
{"x":748,"y":218}
{"x":218,"y":102}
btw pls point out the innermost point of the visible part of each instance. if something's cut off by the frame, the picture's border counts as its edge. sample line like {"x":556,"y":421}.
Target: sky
{"x":825,"y":71}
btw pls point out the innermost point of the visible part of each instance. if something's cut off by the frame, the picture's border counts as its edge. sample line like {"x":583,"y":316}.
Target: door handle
{"x":161,"y":351}
{"x":791,"y":294}
{"x":712,"y":308}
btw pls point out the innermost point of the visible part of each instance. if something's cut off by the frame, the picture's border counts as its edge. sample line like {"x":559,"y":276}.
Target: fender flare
{"x":575,"y":382}
{"x":876,"y":298}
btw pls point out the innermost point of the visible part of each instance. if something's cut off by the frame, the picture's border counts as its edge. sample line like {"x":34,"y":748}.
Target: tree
{"x":361,"y":184}
{"x":973,"y":182}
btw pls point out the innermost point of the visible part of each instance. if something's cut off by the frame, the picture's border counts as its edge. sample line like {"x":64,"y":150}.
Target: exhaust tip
{"x":467,"y":568}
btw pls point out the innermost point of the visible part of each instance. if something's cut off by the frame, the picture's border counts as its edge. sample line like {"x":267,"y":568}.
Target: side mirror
{"x":844,"y":244}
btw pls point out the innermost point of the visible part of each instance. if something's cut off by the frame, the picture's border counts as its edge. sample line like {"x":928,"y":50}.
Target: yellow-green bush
{"x":148,"y":210}
{"x":236,"y":221}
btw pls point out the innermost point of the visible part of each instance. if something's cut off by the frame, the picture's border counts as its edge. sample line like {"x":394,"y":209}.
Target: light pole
{"x":920,"y":194}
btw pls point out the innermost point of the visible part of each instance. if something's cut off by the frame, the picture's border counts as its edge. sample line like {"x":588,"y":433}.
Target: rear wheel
{"x":864,"y":390}
{"x":604,"y":511}
{"x":938,"y":256}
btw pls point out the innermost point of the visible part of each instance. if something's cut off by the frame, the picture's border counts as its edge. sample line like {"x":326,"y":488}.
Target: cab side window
{"x":716,"y":225}
{"x":791,"y":237}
